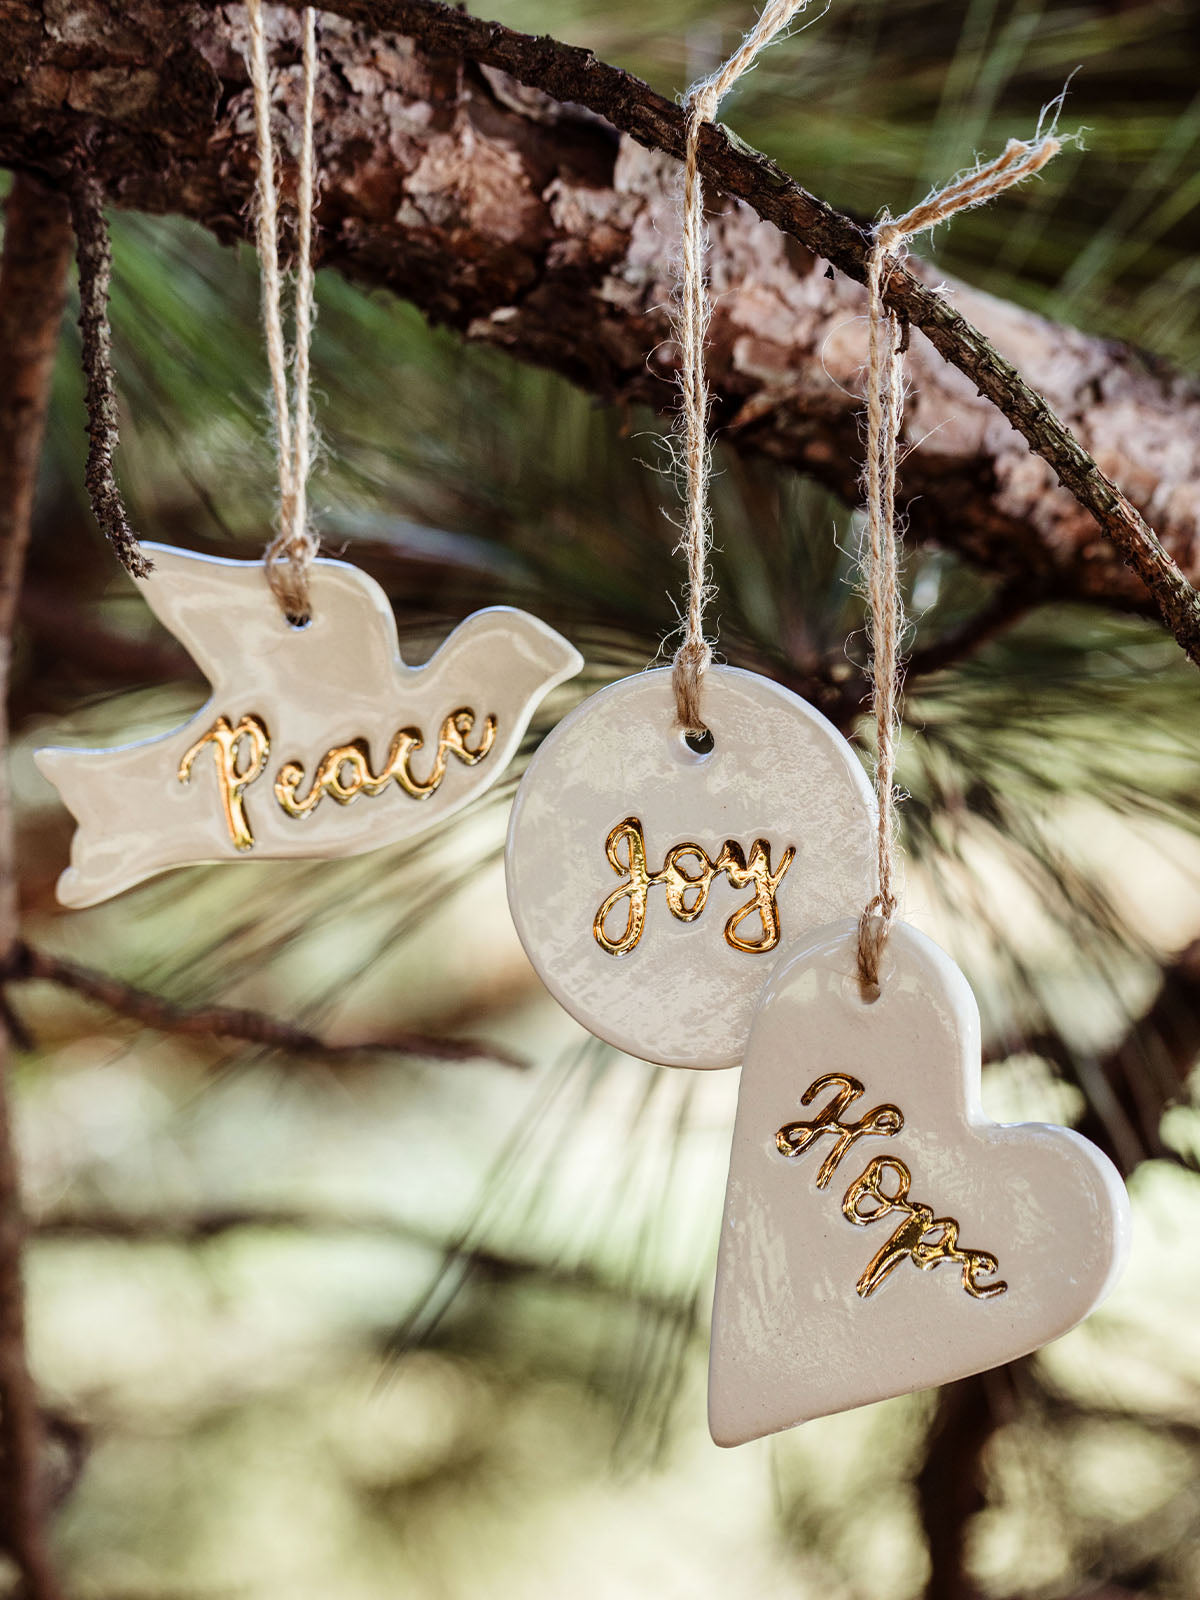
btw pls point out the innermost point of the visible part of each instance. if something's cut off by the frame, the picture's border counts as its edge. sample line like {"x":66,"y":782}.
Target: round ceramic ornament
{"x":881,"y":1234}
{"x":655,"y":886}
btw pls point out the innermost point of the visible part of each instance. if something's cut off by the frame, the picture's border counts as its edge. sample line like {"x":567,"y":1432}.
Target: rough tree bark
{"x":33,"y":282}
{"x":574,"y":74}
{"x":531,"y":225}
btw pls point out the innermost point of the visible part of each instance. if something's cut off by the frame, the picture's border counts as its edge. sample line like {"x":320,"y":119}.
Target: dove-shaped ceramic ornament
{"x":654,"y":887}
{"x":317,"y":740}
{"x":881,"y":1234}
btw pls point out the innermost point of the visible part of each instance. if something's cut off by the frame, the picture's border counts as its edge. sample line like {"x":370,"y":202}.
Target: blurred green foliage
{"x":439,"y":1331}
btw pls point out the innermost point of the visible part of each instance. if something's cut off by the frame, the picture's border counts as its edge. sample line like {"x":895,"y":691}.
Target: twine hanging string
{"x":291,"y":552}
{"x":885,"y":415}
{"x":692,"y":311}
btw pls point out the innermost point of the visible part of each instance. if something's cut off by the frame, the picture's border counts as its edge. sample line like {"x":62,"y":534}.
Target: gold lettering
{"x":974,"y":1261}
{"x":882,"y":1189}
{"x":880,"y":1122}
{"x":629,"y":834}
{"x":870,"y":1187}
{"x":345,"y":772}
{"x":927,"y":1241}
{"x":757,"y":871}
{"x":687,"y":890}
{"x":240,"y":754}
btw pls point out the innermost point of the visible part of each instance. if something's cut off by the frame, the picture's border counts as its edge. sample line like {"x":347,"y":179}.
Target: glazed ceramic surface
{"x":779,"y":773}
{"x":290,"y":705}
{"x":821,"y":1303}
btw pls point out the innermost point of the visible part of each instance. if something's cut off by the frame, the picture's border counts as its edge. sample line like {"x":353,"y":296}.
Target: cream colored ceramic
{"x":683,"y":994}
{"x":822,"y":1305}
{"x":336,"y":690}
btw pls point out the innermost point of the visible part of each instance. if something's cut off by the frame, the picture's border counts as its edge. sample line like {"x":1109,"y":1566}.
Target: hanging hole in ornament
{"x":298,"y":620}
{"x":700,"y":741}
{"x":869,"y":993}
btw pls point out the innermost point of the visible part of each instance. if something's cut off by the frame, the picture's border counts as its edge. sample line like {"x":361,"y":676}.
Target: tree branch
{"x":949,"y":1484}
{"x":572,"y":74}
{"x":1132,"y":1085}
{"x":226,"y":1022}
{"x":530,"y":225}
{"x":93,"y":255}
{"x":33,"y":282}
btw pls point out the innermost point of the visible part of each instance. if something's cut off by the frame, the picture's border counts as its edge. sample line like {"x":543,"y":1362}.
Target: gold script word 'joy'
{"x":687,"y":892}
{"x":240,"y":753}
{"x":882,"y":1190}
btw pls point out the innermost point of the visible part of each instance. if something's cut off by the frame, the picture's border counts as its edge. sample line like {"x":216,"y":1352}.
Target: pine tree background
{"x":439,"y":1330}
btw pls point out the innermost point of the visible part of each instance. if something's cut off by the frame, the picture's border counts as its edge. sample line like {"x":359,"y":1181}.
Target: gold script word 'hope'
{"x":687,"y":892}
{"x":882,"y":1190}
{"x":240,"y":753}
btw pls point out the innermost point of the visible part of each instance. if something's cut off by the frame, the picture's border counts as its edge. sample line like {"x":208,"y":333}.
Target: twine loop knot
{"x":874,"y":926}
{"x":701,"y":101}
{"x":688,"y":667}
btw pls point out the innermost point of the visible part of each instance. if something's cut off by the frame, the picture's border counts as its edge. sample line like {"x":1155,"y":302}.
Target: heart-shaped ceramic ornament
{"x":655,"y":887}
{"x":317,"y":741}
{"x":881,"y":1235}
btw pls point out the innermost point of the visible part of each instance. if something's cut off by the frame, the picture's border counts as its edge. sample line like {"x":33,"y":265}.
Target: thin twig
{"x":199,"y":1227}
{"x":94,"y":258}
{"x":571,"y":74}
{"x":226,"y":1022}
{"x":33,"y":282}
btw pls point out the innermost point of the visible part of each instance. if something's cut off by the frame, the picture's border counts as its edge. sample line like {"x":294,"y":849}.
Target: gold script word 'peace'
{"x":881,"y":1190}
{"x":687,"y":892}
{"x":240,"y":753}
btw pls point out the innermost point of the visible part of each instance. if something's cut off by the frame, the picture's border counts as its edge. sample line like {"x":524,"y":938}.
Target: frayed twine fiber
{"x":880,"y":562}
{"x":292,"y":551}
{"x":691,"y":316}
